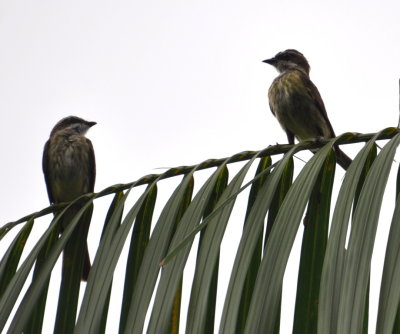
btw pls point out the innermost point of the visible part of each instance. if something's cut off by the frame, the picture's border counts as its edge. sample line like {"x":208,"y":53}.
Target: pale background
{"x":176,"y":82}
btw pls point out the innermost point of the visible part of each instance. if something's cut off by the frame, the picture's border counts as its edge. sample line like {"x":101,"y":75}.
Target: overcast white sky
{"x":177,"y":82}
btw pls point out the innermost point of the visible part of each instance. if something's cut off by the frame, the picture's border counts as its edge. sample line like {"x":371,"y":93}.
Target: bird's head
{"x":289,"y":59}
{"x":72,"y":125}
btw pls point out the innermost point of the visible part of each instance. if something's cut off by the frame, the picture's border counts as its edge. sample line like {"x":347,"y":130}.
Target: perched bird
{"x":296,"y":103}
{"x":69,"y":169}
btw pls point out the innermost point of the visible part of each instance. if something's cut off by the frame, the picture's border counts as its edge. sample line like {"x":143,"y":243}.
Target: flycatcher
{"x":69,"y":169}
{"x":296,"y":103}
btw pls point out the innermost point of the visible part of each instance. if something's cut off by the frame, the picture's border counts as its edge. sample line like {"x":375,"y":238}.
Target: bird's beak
{"x":91,"y":124}
{"x":270,"y":61}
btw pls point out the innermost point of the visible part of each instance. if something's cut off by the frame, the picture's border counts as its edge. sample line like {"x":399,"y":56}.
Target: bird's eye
{"x":284,"y":57}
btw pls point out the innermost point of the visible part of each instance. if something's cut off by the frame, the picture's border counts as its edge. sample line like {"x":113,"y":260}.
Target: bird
{"x":297,"y":104}
{"x":70,"y":170}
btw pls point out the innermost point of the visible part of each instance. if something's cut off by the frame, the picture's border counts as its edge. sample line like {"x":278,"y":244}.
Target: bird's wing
{"x":46,"y":171}
{"x":315,"y":95}
{"x":92,"y":166}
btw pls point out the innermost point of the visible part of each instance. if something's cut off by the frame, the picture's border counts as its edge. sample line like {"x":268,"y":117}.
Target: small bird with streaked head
{"x":297,"y":104}
{"x":69,"y":169}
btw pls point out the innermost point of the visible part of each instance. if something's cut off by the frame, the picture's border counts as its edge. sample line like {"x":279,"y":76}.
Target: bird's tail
{"x":342,"y":159}
{"x":70,"y":254}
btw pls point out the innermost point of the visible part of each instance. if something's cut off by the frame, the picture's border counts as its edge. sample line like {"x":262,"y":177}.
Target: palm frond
{"x":333,"y":279}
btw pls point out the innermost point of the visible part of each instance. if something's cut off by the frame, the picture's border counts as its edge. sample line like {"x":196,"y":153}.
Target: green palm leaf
{"x":333,"y":279}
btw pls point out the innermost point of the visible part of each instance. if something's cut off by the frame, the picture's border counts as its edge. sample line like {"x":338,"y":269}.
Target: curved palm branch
{"x":335,"y":262}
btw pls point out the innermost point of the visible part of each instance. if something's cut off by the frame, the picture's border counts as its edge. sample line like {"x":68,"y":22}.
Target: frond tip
{"x":268,"y":218}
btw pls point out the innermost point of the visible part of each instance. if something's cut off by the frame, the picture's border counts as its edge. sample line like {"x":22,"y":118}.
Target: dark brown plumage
{"x":297,"y":104}
{"x":69,"y":168}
